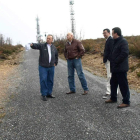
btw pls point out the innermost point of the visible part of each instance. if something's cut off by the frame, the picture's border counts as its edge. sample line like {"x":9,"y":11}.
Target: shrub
{"x":6,"y":50}
{"x":60,"y":45}
{"x":138,"y":74}
{"x":134,"y":45}
{"x":97,"y":45}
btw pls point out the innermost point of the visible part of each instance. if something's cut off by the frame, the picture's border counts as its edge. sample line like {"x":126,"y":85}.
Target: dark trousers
{"x":121,"y":80}
{"x":46,"y":80}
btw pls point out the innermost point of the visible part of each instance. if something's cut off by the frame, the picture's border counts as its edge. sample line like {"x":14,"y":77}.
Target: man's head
{"x":49,"y":39}
{"x":116,"y":32}
{"x":69,"y":36}
{"x":106,"y":33}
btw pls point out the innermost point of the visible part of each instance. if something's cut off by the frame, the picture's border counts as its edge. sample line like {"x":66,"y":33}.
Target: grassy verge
{"x":8,"y":50}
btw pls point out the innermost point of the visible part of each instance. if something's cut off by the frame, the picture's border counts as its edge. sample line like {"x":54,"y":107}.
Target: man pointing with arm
{"x":48,"y":59}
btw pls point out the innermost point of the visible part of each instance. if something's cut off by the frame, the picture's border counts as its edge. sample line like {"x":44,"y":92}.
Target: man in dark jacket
{"x":73,"y":52}
{"x":119,"y":68}
{"x":106,"y":59}
{"x":48,"y":59}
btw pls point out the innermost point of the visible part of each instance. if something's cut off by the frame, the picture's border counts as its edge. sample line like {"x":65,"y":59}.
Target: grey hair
{"x":70,"y":33}
{"x":50,"y":35}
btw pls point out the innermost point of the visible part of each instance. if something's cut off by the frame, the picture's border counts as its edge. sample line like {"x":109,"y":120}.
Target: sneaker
{"x":50,"y":96}
{"x":105,"y":96}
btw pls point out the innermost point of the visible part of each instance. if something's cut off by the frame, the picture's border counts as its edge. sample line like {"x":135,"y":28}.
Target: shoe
{"x":85,"y":92}
{"x":110,"y":101}
{"x":50,"y":96}
{"x":71,"y":92}
{"x":105,"y":96}
{"x":123,"y":105}
{"x":44,"y":98}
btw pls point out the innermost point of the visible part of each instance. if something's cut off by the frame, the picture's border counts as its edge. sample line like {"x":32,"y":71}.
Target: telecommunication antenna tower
{"x":72,"y":17}
{"x":38,"y":30}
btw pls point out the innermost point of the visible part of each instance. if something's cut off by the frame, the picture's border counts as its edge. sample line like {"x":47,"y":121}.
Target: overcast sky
{"x":17,"y":18}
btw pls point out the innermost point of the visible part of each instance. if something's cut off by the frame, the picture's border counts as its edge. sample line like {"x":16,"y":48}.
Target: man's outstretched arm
{"x":35,"y":46}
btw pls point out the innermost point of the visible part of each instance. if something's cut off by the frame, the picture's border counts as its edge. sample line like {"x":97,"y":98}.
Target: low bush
{"x":6,"y":50}
{"x":134,"y":45}
{"x":138,"y":74}
{"x":97,"y":45}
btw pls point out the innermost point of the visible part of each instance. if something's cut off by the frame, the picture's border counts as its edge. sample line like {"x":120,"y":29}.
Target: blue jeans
{"x":76,"y":64}
{"x":46,"y":80}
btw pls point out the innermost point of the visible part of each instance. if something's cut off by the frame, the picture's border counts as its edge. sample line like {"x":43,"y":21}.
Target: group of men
{"x":115,"y":59}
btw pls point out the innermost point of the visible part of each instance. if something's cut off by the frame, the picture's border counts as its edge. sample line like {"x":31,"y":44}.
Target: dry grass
{"x":7,"y":68}
{"x":8,"y":50}
{"x":134,"y":80}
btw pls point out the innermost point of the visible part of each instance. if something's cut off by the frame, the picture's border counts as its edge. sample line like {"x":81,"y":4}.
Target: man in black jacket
{"x":106,"y":59}
{"x":48,"y":59}
{"x":119,"y":68}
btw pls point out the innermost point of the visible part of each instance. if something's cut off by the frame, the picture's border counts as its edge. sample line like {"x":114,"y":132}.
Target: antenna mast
{"x":72,"y":17}
{"x":38,"y":30}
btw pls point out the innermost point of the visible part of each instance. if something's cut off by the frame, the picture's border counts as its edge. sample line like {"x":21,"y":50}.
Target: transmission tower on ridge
{"x":72,"y":17}
{"x":38,"y":37}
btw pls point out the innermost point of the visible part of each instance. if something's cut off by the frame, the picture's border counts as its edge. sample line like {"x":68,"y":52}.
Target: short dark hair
{"x":107,"y":30}
{"x":117,"y":30}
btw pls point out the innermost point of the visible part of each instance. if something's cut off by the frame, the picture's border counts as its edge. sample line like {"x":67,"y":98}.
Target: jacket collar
{"x":108,"y":38}
{"x":117,"y":39}
{"x":47,"y":43}
{"x":71,"y":41}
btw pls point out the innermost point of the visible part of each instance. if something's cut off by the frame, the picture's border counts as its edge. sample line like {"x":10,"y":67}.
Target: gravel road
{"x":67,"y":117}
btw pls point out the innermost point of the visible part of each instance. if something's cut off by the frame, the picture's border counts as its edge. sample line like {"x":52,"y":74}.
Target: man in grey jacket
{"x":48,"y":59}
